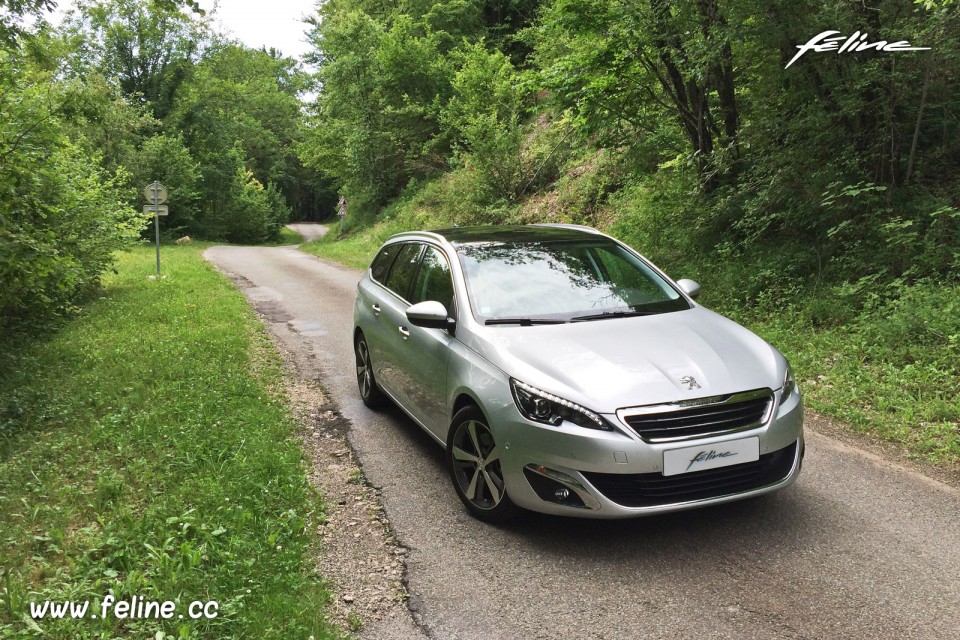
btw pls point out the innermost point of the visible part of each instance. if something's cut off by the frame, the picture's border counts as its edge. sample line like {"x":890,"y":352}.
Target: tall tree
{"x":623,"y":64}
{"x":245,"y":100}
{"x":385,"y":73}
{"x":382,"y":84}
{"x":148,"y":46}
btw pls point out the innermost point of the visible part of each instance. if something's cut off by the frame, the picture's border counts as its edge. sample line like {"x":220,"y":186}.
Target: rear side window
{"x":433,"y":281}
{"x":381,"y":264}
{"x":398,"y":280}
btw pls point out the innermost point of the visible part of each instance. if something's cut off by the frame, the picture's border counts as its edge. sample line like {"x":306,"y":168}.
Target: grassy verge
{"x":892,"y":370}
{"x":356,"y":249}
{"x":145,"y":451}
{"x":888,"y":365}
{"x":289,"y":236}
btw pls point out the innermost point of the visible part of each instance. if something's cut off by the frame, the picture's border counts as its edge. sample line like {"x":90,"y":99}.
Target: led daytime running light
{"x":789,"y":384}
{"x":560,"y":401}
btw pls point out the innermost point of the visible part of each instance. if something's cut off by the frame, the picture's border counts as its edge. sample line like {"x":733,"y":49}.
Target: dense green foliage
{"x":857,"y":154}
{"x":123,"y":93}
{"x":228,"y":116}
{"x":819,"y":203}
{"x":12,"y":13}
{"x":145,"y":451}
{"x":394,"y":101}
{"x":61,"y":216}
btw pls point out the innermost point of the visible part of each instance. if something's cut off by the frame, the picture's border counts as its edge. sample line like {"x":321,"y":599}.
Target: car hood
{"x":607,"y":365}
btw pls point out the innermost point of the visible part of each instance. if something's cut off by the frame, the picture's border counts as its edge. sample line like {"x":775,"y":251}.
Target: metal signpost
{"x":342,"y":212}
{"x":156,"y":195}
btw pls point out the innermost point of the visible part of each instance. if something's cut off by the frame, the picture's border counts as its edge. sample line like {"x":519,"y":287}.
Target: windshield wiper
{"x":523,"y":322}
{"x":606,"y":315}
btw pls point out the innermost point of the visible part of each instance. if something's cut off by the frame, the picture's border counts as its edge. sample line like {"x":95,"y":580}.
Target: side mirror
{"x":429,"y":314}
{"x":690,"y":287}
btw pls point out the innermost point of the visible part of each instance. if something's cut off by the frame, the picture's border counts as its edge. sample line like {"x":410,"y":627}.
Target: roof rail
{"x":559,"y":225}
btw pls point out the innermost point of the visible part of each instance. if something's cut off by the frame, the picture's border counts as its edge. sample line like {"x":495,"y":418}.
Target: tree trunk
{"x":689,"y":97}
{"x":721,"y":72}
{"x":916,"y":128}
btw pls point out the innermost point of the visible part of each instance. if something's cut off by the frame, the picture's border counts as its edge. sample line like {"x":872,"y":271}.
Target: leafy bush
{"x":485,"y":112}
{"x":256,"y":213}
{"x":165,"y":159}
{"x":61,"y":218}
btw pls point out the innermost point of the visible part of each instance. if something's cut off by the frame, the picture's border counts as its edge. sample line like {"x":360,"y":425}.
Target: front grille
{"x":668,"y":423}
{"x":655,"y":489}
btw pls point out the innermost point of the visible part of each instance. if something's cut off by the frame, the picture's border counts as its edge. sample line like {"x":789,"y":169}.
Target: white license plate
{"x":710,"y":456}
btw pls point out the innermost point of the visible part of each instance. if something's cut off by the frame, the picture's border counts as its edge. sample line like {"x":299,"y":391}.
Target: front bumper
{"x":573,"y":471}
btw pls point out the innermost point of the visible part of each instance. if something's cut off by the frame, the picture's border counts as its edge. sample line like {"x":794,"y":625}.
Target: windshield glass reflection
{"x":562,"y":280}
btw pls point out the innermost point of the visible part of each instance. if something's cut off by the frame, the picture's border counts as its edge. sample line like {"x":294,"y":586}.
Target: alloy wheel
{"x":369,"y":390}
{"x":476,"y":465}
{"x":364,"y":374}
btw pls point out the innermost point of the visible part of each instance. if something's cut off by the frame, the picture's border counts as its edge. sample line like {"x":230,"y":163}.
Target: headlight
{"x":547,"y":408}
{"x":789,"y":385}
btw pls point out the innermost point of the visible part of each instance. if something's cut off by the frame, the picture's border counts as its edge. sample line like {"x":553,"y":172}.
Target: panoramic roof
{"x":511,"y":233}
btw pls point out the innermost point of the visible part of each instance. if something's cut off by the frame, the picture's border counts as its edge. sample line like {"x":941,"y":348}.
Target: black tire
{"x":474,"y":461}
{"x":369,"y":389}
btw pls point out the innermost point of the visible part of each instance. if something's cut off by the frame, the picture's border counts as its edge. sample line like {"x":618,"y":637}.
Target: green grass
{"x":145,"y":450}
{"x":354,"y":251}
{"x":356,"y":248}
{"x":892,"y":369}
{"x":289,"y":236}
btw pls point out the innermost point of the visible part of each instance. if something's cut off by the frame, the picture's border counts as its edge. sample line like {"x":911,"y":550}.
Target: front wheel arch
{"x":463,"y":401}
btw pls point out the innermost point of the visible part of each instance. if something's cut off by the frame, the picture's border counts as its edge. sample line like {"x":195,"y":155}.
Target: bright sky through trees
{"x":278,"y":23}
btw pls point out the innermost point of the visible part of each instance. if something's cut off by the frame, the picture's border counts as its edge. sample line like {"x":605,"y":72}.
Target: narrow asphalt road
{"x":308,"y":230}
{"x":858,"y":548}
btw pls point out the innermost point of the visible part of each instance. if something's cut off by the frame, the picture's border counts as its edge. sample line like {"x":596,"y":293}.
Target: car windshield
{"x":579,"y":280}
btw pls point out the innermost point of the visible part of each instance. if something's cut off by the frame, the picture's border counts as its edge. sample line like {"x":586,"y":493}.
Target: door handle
{"x":404,"y":332}
{"x":376,"y":309}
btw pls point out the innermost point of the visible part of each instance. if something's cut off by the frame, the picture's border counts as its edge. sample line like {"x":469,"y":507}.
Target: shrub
{"x":166,"y":159}
{"x":61,"y":218}
{"x":256,"y":212}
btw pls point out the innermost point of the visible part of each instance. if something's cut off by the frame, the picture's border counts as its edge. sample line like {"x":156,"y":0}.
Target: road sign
{"x":342,"y":207}
{"x":155,"y":193}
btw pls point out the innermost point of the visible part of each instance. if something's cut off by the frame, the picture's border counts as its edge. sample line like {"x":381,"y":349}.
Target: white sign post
{"x":156,"y":195}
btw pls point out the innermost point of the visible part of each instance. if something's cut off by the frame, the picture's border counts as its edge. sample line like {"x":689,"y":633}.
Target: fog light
{"x":548,"y":485}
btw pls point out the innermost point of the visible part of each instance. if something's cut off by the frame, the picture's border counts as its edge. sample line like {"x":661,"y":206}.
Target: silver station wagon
{"x":564,"y":373}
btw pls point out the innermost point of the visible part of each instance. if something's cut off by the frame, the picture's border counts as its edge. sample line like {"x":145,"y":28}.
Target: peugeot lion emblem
{"x":691,"y":382}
